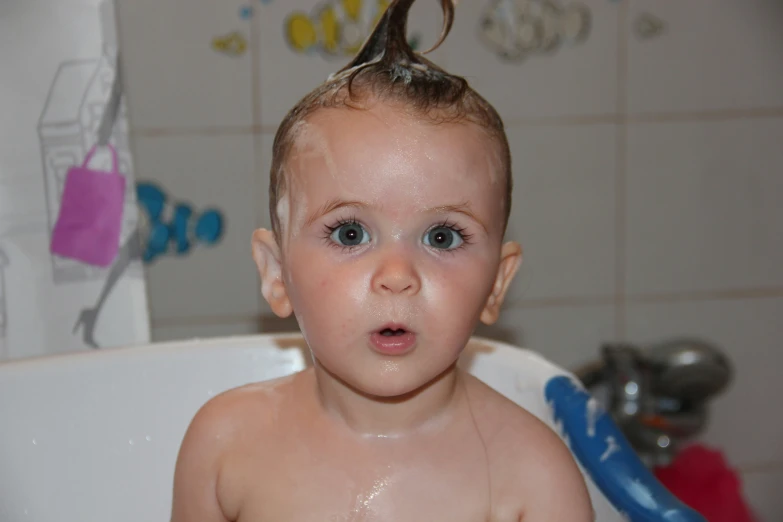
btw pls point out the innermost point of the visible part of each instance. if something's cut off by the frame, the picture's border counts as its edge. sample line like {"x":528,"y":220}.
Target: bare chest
{"x":375,"y":484}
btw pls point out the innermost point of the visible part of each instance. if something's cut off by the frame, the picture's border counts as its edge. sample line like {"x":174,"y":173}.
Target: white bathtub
{"x":93,"y":437}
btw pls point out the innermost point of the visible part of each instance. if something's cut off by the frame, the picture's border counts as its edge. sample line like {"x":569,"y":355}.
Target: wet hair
{"x":387,"y":69}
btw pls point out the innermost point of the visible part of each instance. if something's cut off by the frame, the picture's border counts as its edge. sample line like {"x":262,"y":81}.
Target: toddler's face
{"x":391,"y":247}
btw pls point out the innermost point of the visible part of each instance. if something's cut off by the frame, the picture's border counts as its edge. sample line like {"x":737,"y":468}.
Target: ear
{"x":266,"y":254}
{"x":510,"y":259}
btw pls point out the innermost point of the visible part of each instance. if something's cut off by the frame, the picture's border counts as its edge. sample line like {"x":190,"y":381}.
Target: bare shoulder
{"x":237,"y":413}
{"x":530,"y":461}
{"x":221,"y":428}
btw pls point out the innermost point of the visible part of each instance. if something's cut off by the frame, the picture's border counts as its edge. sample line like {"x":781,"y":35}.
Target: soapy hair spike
{"x":389,"y":38}
{"x":387,"y":52}
{"x":448,"y":20}
{"x":388,"y":70}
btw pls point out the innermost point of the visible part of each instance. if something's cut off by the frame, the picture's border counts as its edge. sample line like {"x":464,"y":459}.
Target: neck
{"x":389,"y":417}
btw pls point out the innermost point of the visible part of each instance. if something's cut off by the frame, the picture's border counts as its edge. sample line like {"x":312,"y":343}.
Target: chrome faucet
{"x":659,"y":394}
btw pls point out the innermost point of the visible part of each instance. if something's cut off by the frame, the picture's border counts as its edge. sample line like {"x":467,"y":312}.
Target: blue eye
{"x":443,"y":238}
{"x":350,"y":234}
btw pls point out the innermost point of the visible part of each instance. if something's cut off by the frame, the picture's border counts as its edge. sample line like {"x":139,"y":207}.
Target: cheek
{"x":325,"y":294}
{"x":460,"y":285}
{"x":467,"y":270}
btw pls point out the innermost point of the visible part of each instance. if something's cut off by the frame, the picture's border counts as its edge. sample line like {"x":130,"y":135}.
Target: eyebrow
{"x":331,"y":206}
{"x":334,"y":204}
{"x":459,"y":208}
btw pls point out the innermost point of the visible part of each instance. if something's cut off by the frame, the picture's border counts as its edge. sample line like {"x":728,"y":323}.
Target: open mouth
{"x":393,"y":339}
{"x":393,"y":332}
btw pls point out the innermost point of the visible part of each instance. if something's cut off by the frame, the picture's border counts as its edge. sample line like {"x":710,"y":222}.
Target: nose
{"x":396,"y":274}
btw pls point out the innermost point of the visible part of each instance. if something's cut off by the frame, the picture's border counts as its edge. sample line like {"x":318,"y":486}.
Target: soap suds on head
{"x":292,"y":214}
{"x":495,"y":164}
{"x":498,"y":166}
{"x":300,"y":214}
{"x":284,"y":211}
{"x":310,"y":141}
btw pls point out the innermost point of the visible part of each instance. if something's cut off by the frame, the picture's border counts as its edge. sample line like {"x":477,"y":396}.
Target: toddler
{"x":389,"y":196}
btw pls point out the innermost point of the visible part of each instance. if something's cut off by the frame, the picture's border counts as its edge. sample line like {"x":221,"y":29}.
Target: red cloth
{"x":700,"y":477}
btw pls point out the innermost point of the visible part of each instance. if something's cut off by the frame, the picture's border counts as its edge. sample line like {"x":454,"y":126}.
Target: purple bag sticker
{"x":90,"y":220}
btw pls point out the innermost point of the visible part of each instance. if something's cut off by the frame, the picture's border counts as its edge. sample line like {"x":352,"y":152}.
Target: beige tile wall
{"x":649,"y":180}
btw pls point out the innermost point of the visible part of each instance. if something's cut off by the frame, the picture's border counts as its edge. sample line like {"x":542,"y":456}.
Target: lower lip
{"x":393,"y":344}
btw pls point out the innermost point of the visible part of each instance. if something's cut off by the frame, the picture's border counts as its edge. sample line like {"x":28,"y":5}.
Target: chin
{"x":390,"y":385}
{"x":391,"y":389}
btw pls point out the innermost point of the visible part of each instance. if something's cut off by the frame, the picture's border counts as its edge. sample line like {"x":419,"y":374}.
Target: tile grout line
{"x":555,"y":302}
{"x":239,"y":130}
{"x":132,"y":145}
{"x":761,"y":467}
{"x":605,"y":300}
{"x":708,"y":115}
{"x":255,"y":92}
{"x":708,"y":295}
{"x":259,"y":177}
{"x":621,"y":154}
{"x":623,"y":116}
{"x":596,"y":119}
{"x":206,"y":321}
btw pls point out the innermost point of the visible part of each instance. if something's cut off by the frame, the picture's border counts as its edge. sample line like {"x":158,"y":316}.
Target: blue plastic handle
{"x":602,"y":450}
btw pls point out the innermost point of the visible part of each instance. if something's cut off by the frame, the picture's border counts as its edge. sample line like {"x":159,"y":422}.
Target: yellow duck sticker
{"x":232,"y":44}
{"x":335,"y":27}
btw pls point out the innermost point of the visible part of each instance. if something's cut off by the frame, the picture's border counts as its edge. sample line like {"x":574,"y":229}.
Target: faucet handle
{"x":688,"y":369}
{"x":627,"y":378}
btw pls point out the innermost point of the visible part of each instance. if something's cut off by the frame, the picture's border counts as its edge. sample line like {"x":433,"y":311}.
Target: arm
{"x":198,"y":468}
{"x":558,"y":491}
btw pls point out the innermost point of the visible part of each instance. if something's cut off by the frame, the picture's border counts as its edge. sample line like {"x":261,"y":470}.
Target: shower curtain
{"x":58,"y":59}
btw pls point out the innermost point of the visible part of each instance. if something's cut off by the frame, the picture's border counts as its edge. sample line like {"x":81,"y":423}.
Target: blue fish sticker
{"x":180,"y":232}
